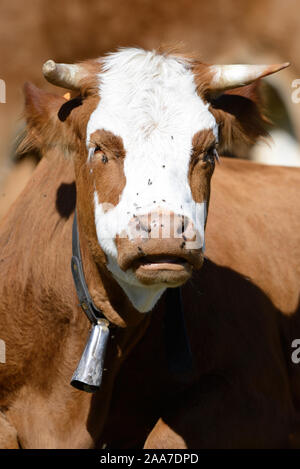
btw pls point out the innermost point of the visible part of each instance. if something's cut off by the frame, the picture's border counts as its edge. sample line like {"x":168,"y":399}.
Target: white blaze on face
{"x":150,"y":101}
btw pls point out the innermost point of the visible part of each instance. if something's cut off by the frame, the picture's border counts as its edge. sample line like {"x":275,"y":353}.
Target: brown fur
{"x":200,"y":186}
{"x":107,"y":166}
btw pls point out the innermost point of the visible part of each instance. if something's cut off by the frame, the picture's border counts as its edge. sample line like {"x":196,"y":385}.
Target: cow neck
{"x":178,"y":351}
{"x":98,"y":292}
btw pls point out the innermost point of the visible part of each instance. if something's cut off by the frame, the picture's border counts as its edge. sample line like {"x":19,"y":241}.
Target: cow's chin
{"x":168,"y":272}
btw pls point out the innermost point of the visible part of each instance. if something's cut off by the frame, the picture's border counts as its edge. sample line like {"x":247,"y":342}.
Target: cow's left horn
{"x":225,"y":77}
{"x":64,"y":75}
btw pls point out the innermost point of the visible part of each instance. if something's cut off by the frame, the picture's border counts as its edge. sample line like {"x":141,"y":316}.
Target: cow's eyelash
{"x":198,"y":152}
{"x":97,"y":148}
{"x":211,"y":155}
{"x":112,"y":150}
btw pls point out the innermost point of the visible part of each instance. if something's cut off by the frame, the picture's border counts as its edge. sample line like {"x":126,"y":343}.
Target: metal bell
{"x":88,"y":374}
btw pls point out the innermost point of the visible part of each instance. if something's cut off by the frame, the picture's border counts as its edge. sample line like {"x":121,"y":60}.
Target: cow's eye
{"x":211,"y":155}
{"x":98,"y":150}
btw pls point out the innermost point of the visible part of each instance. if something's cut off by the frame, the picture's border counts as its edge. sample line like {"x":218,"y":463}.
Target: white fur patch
{"x":150,"y":101}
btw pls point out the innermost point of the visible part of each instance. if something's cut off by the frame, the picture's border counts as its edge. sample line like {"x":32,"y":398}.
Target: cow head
{"x":144,"y":134}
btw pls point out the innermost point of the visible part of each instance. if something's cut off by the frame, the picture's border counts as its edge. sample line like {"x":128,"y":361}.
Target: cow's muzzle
{"x":161,"y":247}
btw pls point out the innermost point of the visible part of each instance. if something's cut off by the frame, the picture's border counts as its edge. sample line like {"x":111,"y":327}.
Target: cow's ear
{"x":43,"y":127}
{"x":240,"y":117}
{"x":39,"y":103}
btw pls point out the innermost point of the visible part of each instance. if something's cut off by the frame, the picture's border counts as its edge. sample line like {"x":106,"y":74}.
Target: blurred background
{"x":219,"y":31}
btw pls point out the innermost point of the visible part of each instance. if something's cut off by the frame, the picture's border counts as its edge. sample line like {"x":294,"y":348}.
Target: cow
{"x":133,"y":155}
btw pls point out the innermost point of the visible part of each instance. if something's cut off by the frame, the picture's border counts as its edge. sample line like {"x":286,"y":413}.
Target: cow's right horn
{"x":225,"y":77}
{"x":64,"y":75}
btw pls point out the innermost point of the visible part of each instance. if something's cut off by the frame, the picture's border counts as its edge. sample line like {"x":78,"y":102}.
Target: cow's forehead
{"x":147,"y":98}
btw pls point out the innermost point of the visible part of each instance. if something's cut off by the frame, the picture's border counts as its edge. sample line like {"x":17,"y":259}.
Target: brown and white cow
{"x":135,"y":152}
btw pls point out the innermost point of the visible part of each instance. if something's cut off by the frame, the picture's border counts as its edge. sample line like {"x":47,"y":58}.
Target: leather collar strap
{"x":178,"y":351}
{"x":85,"y":300}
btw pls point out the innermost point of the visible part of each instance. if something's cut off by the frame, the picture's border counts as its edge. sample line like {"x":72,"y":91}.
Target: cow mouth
{"x":161,"y":263}
{"x":172,"y":271}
